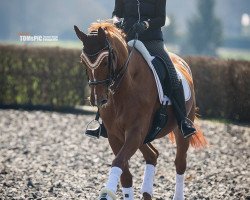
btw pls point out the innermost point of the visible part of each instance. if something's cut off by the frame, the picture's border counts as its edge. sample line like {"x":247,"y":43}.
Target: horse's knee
{"x":119,"y":162}
{"x":150,"y":154}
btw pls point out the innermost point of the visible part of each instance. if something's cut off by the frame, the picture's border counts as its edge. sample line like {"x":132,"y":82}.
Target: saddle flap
{"x":158,"y":75}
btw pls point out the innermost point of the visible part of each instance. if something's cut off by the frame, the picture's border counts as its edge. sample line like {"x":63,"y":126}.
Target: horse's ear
{"x":82,"y":36}
{"x":101,"y":34}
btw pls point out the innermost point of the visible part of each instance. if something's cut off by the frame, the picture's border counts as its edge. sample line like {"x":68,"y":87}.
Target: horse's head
{"x":99,"y":60}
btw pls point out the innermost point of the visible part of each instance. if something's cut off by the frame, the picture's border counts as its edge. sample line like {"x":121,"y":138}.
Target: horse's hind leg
{"x":150,"y":155}
{"x":180,"y":164}
{"x":180,"y":160}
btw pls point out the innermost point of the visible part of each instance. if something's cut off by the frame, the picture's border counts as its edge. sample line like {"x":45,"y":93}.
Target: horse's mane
{"x":109,"y":28}
{"x":115,"y":36}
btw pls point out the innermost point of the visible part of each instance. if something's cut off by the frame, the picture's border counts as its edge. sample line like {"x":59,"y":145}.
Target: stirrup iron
{"x":93,"y":133}
{"x":191,"y":129}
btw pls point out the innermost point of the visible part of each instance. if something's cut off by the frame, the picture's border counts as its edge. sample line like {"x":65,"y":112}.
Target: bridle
{"x":101,"y":55}
{"x":114,"y":78}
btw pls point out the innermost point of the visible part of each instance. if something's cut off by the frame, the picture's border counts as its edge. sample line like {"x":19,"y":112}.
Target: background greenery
{"x":53,"y":76}
{"x":41,"y":76}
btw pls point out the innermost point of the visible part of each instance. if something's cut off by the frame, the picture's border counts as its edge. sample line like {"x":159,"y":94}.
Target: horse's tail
{"x":197,"y":140}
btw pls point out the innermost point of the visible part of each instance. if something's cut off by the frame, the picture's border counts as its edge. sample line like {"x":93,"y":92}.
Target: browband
{"x":97,"y":62}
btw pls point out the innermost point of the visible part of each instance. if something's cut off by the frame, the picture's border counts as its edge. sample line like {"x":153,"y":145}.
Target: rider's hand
{"x":119,"y":24}
{"x":140,"y":27}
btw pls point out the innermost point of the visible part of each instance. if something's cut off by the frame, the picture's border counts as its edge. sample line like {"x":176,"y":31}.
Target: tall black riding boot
{"x":178,"y":100}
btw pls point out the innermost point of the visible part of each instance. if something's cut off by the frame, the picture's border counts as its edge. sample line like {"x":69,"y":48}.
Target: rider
{"x":144,"y":18}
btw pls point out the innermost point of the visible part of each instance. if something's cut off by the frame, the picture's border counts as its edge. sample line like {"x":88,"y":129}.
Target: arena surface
{"x":44,"y":155}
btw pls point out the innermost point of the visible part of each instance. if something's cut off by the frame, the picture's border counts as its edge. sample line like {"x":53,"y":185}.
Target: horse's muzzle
{"x":98,"y":102}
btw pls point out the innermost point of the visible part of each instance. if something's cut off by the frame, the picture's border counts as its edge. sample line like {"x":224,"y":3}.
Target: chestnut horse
{"x":123,"y":87}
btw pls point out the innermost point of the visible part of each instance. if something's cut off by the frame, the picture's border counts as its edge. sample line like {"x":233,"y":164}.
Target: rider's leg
{"x":175,"y":90}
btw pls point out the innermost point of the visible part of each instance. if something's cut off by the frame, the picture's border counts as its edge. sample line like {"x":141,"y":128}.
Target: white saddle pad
{"x":163,"y":98}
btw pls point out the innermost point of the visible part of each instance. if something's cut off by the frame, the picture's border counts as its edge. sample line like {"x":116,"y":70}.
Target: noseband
{"x":114,"y":78}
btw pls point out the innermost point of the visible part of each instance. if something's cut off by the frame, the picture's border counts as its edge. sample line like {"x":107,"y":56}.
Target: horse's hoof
{"x":103,"y":196}
{"x":146,"y":196}
{"x":107,"y":194}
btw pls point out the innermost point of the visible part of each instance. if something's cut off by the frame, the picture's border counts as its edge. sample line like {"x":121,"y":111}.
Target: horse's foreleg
{"x":150,"y":155}
{"x":108,"y":193}
{"x":127,"y":184}
{"x":180,"y":164}
{"x":129,"y":147}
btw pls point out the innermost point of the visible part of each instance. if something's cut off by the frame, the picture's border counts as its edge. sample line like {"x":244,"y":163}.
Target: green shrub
{"x":41,"y":76}
{"x":222,"y":87}
{"x":54,"y":77}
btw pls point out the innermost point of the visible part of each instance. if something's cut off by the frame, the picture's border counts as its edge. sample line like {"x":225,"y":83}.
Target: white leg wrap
{"x":107,"y":194}
{"x":114,"y":177}
{"x":148,"y":180}
{"x":128,"y":193}
{"x":179,"y":187}
{"x":109,"y":191}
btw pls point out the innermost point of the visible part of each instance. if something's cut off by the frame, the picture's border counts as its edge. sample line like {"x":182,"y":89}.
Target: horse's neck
{"x":137,"y":80}
{"x":122,"y":56}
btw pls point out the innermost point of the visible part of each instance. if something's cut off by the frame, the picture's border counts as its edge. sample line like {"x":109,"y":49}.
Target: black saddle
{"x":160,"y":117}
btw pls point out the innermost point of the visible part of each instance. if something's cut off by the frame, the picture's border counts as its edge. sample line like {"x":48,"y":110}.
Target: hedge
{"x":41,"y":76}
{"x":222,"y":87}
{"x":54,"y":77}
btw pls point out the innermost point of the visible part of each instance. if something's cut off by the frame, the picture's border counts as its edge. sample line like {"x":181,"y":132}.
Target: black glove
{"x":119,"y":24}
{"x":139,"y":27}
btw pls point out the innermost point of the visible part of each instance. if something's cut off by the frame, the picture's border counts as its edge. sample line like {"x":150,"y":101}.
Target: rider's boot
{"x":178,"y":101}
{"x":174,"y":89}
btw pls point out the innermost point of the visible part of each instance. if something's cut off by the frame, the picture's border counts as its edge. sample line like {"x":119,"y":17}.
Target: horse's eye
{"x":105,"y":62}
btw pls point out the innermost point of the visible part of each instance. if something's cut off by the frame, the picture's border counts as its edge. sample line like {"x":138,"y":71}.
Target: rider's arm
{"x":118,"y":10}
{"x":160,"y":19}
